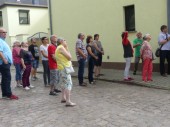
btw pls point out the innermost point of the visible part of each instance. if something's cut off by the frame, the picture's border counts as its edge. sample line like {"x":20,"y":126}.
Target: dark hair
{"x":123,"y":34}
{"x":79,"y":35}
{"x":163,"y":27}
{"x":43,"y":38}
{"x":96,"y":35}
{"x":88,"y":39}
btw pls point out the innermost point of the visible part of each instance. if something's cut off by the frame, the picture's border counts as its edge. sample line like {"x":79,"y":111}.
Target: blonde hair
{"x":16,"y":43}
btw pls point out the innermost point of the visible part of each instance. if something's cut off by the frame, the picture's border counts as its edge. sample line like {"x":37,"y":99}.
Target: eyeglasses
{"x":3,"y":32}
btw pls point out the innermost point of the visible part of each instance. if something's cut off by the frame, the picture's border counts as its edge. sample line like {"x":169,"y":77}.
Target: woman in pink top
{"x":17,"y":62}
{"x":147,"y":57}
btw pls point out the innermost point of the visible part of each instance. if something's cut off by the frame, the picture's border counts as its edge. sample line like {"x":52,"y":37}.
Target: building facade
{"x":109,"y":18}
{"x":23,"y":19}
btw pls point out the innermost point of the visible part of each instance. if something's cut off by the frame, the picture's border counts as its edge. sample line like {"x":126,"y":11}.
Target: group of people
{"x":144,"y":52}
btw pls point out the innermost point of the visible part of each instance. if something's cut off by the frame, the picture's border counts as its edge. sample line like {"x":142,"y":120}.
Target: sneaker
{"x":127,"y":79}
{"x":19,"y":85}
{"x":70,"y":104}
{"x":13,"y":97}
{"x":130,"y":78}
{"x":92,"y":83}
{"x":83,"y":84}
{"x":36,"y":77}
{"x":57,"y":91}
{"x":33,"y":79}
{"x":27,"y":88}
{"x":53,"y":93}
{"x":31,"y":86}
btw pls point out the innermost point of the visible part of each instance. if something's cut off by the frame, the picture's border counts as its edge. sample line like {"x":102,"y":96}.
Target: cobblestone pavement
{"x":102,"y":105}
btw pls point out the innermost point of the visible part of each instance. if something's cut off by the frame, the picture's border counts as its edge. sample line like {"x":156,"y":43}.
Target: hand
{"x":24,"y":67}
{"x":5,"y":61}
{"x":84,"y":57}
{"x":102,"y":52}
{"x":96,"y":58}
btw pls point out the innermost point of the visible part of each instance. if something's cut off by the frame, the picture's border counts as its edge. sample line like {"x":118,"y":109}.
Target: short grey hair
{"x":146,"y":36}
{"x":79,"y":35}
{"x":59,"y":40}
{"x":54,"y":35}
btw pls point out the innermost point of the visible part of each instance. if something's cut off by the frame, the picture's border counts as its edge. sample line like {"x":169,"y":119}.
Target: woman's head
{"x":147,"y":37}
{"x":96,"y":37}
{"x":61,"y":41}
{"x":44,"y":40}
{"x":124,"y":34}
{"x":89,"y":39}
{"x":16,"y":44}
{"x":25,"y":44}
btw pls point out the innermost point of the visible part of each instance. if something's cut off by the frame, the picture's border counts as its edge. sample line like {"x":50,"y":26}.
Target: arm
{"x":81,"y":53}
{"x":42,"y":52}
{"x":163,"y":41}
{"x":96,"y":47}
{"x":3,"y":58}
{"x":66,"y":53}
{"x":90,"y":52}
{"x":22,"y":63}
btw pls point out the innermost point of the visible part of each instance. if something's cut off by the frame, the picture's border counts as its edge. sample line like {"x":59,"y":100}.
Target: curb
{"x":134,"y":83}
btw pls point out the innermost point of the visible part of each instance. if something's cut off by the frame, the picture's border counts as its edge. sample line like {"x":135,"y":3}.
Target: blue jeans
{"x":81,"y":70}
{"x":35,"y":64}
{"x":6,"y":80}
{"x":90,"y":69}
{"x":18,"y":72}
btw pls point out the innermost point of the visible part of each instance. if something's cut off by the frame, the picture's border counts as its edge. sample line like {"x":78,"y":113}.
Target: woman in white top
{"x":44,"y":57}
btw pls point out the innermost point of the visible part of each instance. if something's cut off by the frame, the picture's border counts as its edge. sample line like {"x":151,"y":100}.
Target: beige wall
{"x":106,"y":17}
{"x":39,"y":22}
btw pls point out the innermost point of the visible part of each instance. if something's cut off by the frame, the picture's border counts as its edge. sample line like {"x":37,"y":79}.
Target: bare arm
{"x":22,"y":63}
{"x":66,"y":53}
{"x":42,"y":52}
{"x":90,"y":52}
{"x":81,"y":53}
{"x":96,"y":47}
{"x":3,"y":58}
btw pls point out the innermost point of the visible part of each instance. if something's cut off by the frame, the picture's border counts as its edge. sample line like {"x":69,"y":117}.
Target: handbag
{"x":158,"y":50}
{"x":69,"y":70}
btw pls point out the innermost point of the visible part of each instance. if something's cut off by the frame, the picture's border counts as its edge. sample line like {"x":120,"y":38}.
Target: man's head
{"x":139,"y":35}
{"x":164,"y":29}
{"x":81,"y":36}
{"x":53,"y":39}
{"x":33,"y":41}
{"x":96,"y":37}
{"x":2,"y":33}
{"x":44,"y":40}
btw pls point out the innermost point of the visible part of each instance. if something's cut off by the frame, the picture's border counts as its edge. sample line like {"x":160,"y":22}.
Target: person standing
{"x":137,"y":43}
{"x":26,"y":59}
{"x":44,"y":57}
{"x":81,"y":54}
{"x":17,"y":62}
{"x":128,"y":54}
{"x":164,"y":42}
{"x":33,"y":48}
{"x":54,"y":73}
{"x":91,"y":58}
{"x":147,"y":57}
{"x":5,"y":63}
{"x":63,"y":57}
{"x":99,"y":52}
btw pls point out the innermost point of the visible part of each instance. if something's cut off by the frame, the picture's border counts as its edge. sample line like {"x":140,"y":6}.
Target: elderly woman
{"x":17,"y":62}
{"x":26,"y":59}
{"x":128,"y":54}
{"x":63,"y":58}
{"x":147,"y":57}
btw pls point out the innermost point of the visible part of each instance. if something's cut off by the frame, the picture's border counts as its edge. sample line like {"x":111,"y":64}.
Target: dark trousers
{"x":46,"y":73}
{"x":6,"y":80}
{"x":18,"y":72}
{"x":90,"y":69}
{"x":81,"y":70}
{"x":164,"y":55}
{"x":26,"y":75}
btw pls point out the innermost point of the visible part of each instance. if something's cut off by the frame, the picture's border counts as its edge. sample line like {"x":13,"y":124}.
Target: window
{"x":130,"y":18}
{"x":1,"y":19}
{"x":35,"y":2}
{"x":24,"y":17}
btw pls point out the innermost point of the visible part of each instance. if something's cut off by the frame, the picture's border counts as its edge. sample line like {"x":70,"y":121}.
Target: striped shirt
{"x":80,"y":45}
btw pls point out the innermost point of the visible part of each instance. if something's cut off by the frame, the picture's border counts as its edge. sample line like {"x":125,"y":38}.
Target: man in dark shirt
{"x":33,"y":48}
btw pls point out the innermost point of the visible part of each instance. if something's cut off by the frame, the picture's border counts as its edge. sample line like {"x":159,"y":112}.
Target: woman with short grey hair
{"x":63,"y":58}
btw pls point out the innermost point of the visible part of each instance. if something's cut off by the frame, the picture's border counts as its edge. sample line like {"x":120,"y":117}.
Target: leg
{"x":100,"y":63}
{"x":28,"y":74}
{"x":145,"y":69}
{"x":137,"y":59}
{"x":162,"y":62}
{"x":81,"y":70}
{"x":48,"y":73}
{"x":45,"y":72}
{"x":6,"y":80}
{"x":127,"y":68}
{"x":168,"y":60}
{"x":90,"y":70}
{"x":150,"y":69}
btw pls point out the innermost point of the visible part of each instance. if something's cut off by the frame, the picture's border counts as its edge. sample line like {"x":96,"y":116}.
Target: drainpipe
{"x":168,"y":14}
{"x":50,"y":16}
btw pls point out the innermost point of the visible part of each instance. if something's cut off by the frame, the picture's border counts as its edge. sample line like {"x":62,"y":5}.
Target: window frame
{"x":1,"y":15}
{"x":28,"y":16}
{"x":126,"y":20}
